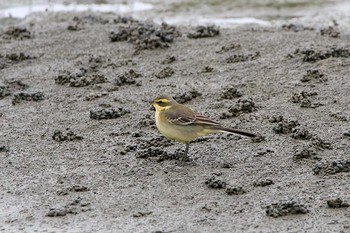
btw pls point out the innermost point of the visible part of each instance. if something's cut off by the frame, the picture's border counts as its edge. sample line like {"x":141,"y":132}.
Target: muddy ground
{"x":79,"y":150}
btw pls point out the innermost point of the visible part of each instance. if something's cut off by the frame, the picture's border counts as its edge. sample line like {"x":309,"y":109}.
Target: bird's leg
{"x":185,"y":157}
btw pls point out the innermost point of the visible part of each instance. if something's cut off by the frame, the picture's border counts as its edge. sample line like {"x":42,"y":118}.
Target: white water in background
{"x":23,"y":11}
{"x":317,"y":16}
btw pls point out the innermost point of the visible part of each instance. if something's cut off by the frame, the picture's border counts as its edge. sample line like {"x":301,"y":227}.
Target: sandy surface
{"x":79,"y":150}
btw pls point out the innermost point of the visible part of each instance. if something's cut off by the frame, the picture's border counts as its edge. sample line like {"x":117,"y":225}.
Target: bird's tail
{"x":236,"y":131}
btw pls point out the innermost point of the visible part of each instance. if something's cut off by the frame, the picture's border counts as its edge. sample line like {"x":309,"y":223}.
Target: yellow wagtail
{"x":178,"y":122}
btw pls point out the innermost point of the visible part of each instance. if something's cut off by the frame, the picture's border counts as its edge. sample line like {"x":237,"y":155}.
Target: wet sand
{"x":80,"y":151}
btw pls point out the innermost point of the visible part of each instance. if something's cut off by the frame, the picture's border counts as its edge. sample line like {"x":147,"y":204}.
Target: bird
{"x":178,"y":122}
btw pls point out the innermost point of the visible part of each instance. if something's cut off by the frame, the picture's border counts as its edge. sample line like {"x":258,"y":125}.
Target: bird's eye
{"x":159,"y":102}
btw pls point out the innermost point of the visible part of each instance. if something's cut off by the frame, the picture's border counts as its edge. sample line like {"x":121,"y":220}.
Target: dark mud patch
{"x":23,"y":96}
{"x":337,"y":203}
{"x":286,"y":208}
{"x":13,"y":58}
{"x":215,"y":182}
{"x":92,"y":96}
{"x":168,"y":60}
{"x":4,"y":149}
{"x":87,"y":74}
{"x":332,"y":167}
{"x":301,"y":133}
{"x":263,"y":151}
{"x":16,"y":33}
{"x":160,"y":155}
{"x":165,"y":73}
{"x":235,"y":191}
{"x":296,"y":27}
{"x":145,"y":35}
{"x":313,"y":55}
{"x":187,"y":96}
{"x":330,"y":31}
{"x":243,"y":105}
{"x":284,"y":126}
{"x":128,"y":78}
{"x":306,"y":152}
{"x":263,"y":183}
{"x":304,"y":98}
{"x":204,"y":32}
{"x":68,"y":135}
{"x":230,"y":92}
{"x":229,"y":47}
{"x":107,"y":113}
{"x":72,"y":189}
{"x":75,"y":207}
{"x":242,"y":57}
{"x":314,"y":76}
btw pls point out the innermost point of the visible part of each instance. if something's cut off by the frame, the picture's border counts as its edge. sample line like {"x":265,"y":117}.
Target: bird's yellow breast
{"x":179,"y":133}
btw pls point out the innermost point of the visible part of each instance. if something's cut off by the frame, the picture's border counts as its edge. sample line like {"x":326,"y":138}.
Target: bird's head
{"x":163,"y":102}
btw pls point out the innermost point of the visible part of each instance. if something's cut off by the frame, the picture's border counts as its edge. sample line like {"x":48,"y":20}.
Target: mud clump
{"x":285,"y":208}
{"x":296,"y":27}
{"x":93,"y":96}
{"x":242,"y":57}
{"x":227,"y":48}
{"x":235,"y":191}
{"x":314,"y":75}
{"x":146,"y":121}
{"x":312,"y":55}
{"x":75,"y":207}
{"x":321,"y":144}
{"x":79,"y":79}
{"x":230,"y":93}
{"x":263,"y":183}
{"x":154,"y":142}
{"x":243,"y":105}
{"x":338,"y":116}
{"x":11,"y":86}
{"x":337,"y":203}
{"x":4,"y":91}
{"x":109,"y":113}
{"x":333,"y":167}
{"x":72,"y":189}
{"x":86,"y":75}
{"x":307,"y":152}
{"x":207,"y":69}
{"x":158,"y":154}
{"x":285,"y":126}
{"x":330,"y":31}
{"x":168,"y":59}
{"x":128,"y":78}
{"x":204,"y":32}
{"x":145,"y":35}
{"x":13,"y":58}
{"x":17,"y":33}
{"x":215,"y":183}
{"x":303,"y":98}
{"x":22,"y":96}
{"x":3,"y":149}
{"x":302,"y":133}
{"x":165,"y":73}
{"x":187,"y":96}
{"x":59,"y":136}
{"x":261,"y":152}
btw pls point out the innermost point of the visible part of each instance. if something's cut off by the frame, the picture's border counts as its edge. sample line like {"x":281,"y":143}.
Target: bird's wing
{"x":177,"y":118}
{"x":202,"y":120}
{"x":188,"y":117}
